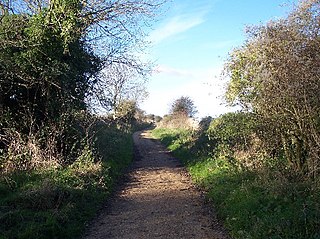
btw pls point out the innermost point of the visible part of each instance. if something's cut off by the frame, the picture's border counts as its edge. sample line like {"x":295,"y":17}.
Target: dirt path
{"x":156,"y":200}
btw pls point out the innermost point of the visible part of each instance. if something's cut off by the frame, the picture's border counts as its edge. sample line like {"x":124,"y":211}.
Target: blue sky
{"x":190,"y":44}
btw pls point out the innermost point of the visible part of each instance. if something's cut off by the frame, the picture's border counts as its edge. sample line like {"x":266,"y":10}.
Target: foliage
{"x":174,"y":121}
{"x":202,"y":144}
{"x":49,"y":64}
{"x":36,"y":80}
{"x":260,"y":165}
{"x":126,"y":110}
{"x":233,"y":129}
{"x":275,"y":76}
{"x":117,"y":83}
{"x":253,"y":204}
{"x":183,"y":106}
{"x":174,"y":138}
{"x":58,"y":160}
{"x":49,"y":68}
{"x":58,"y":202}
{"x":234,"y":136}
{"x":181,"y":115}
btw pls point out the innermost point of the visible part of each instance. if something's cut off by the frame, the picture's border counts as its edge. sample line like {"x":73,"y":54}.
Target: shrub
{"x":275,"y":74}
{"x":42,"y":200}
{"x":233,"y":136}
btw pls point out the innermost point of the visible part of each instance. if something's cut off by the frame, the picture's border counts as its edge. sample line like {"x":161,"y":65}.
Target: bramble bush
{"x":57,"y":201}
{"x":254,"y":200}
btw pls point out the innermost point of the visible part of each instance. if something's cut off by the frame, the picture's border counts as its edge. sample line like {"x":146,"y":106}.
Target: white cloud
{"x":175,"y":26}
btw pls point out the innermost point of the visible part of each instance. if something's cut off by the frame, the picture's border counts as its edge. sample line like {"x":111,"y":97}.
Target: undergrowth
{"x":57,"y":202}
{"x":253,"y":204}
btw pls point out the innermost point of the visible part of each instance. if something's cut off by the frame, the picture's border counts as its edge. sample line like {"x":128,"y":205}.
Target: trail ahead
{"x":156,"y":200}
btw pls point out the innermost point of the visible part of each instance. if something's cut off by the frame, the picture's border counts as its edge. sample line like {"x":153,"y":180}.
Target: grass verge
{"x":252,"y":204}
{"x":58,"y":202}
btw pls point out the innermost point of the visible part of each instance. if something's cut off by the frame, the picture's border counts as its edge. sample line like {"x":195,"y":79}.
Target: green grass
{"x":58,"y":203}
{"x":252,"y":204}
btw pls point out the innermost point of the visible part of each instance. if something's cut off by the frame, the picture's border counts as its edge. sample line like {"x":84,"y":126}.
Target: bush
{"x":177,"y":121}
{"x":57,"y":201}
{"x":254,"y":204}
{"x":233,"y":136}
{"x":275,"y":75}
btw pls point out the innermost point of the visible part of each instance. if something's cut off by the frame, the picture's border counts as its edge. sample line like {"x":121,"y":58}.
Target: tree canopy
{"x":52,"y":54}
{"x":48,"y":50}
{"x":183,"y":106}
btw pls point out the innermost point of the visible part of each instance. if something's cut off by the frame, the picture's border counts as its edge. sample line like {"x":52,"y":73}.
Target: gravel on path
{"x":156,"y":200}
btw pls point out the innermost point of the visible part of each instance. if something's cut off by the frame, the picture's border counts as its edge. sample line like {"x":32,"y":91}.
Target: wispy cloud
{"x":173,"y":72}
{"x":176,"y":25}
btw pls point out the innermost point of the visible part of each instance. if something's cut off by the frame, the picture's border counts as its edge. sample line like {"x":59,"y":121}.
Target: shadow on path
{"x":156,"y":200}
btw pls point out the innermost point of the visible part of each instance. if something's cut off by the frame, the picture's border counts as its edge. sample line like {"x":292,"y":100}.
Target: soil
{"x":156,"y":199}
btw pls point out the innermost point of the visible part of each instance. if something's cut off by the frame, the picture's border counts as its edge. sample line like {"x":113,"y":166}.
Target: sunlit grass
{"x":252,"y":204}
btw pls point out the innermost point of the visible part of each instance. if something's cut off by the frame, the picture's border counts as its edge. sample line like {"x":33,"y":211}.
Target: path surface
{"x":156,"y":200}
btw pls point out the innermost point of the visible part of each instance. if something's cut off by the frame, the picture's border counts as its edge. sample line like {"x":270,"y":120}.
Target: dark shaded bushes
{"x":57,"y":200}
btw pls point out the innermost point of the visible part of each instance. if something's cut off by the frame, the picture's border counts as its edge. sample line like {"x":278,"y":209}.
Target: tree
{"x":183,"y":106}
{"x":116,"y":83}
{"x":51,"y":54}
{"x":45,"y":65}
{"x":49,"y":60}
{"x":276,"y":76}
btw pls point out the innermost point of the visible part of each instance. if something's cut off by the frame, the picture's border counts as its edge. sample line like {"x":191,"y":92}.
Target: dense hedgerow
{"x":56,"y":201}
{"x":257,"y":200}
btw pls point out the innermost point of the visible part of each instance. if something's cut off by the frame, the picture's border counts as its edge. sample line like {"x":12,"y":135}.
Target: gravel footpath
{"x":155,"y":200}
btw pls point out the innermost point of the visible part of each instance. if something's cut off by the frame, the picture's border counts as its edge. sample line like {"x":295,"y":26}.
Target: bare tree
{"x":118,"y":83}
{"x":114,"y":30}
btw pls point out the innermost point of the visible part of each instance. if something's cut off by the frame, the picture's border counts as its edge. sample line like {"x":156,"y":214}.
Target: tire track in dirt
{"x":155,"y":200}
